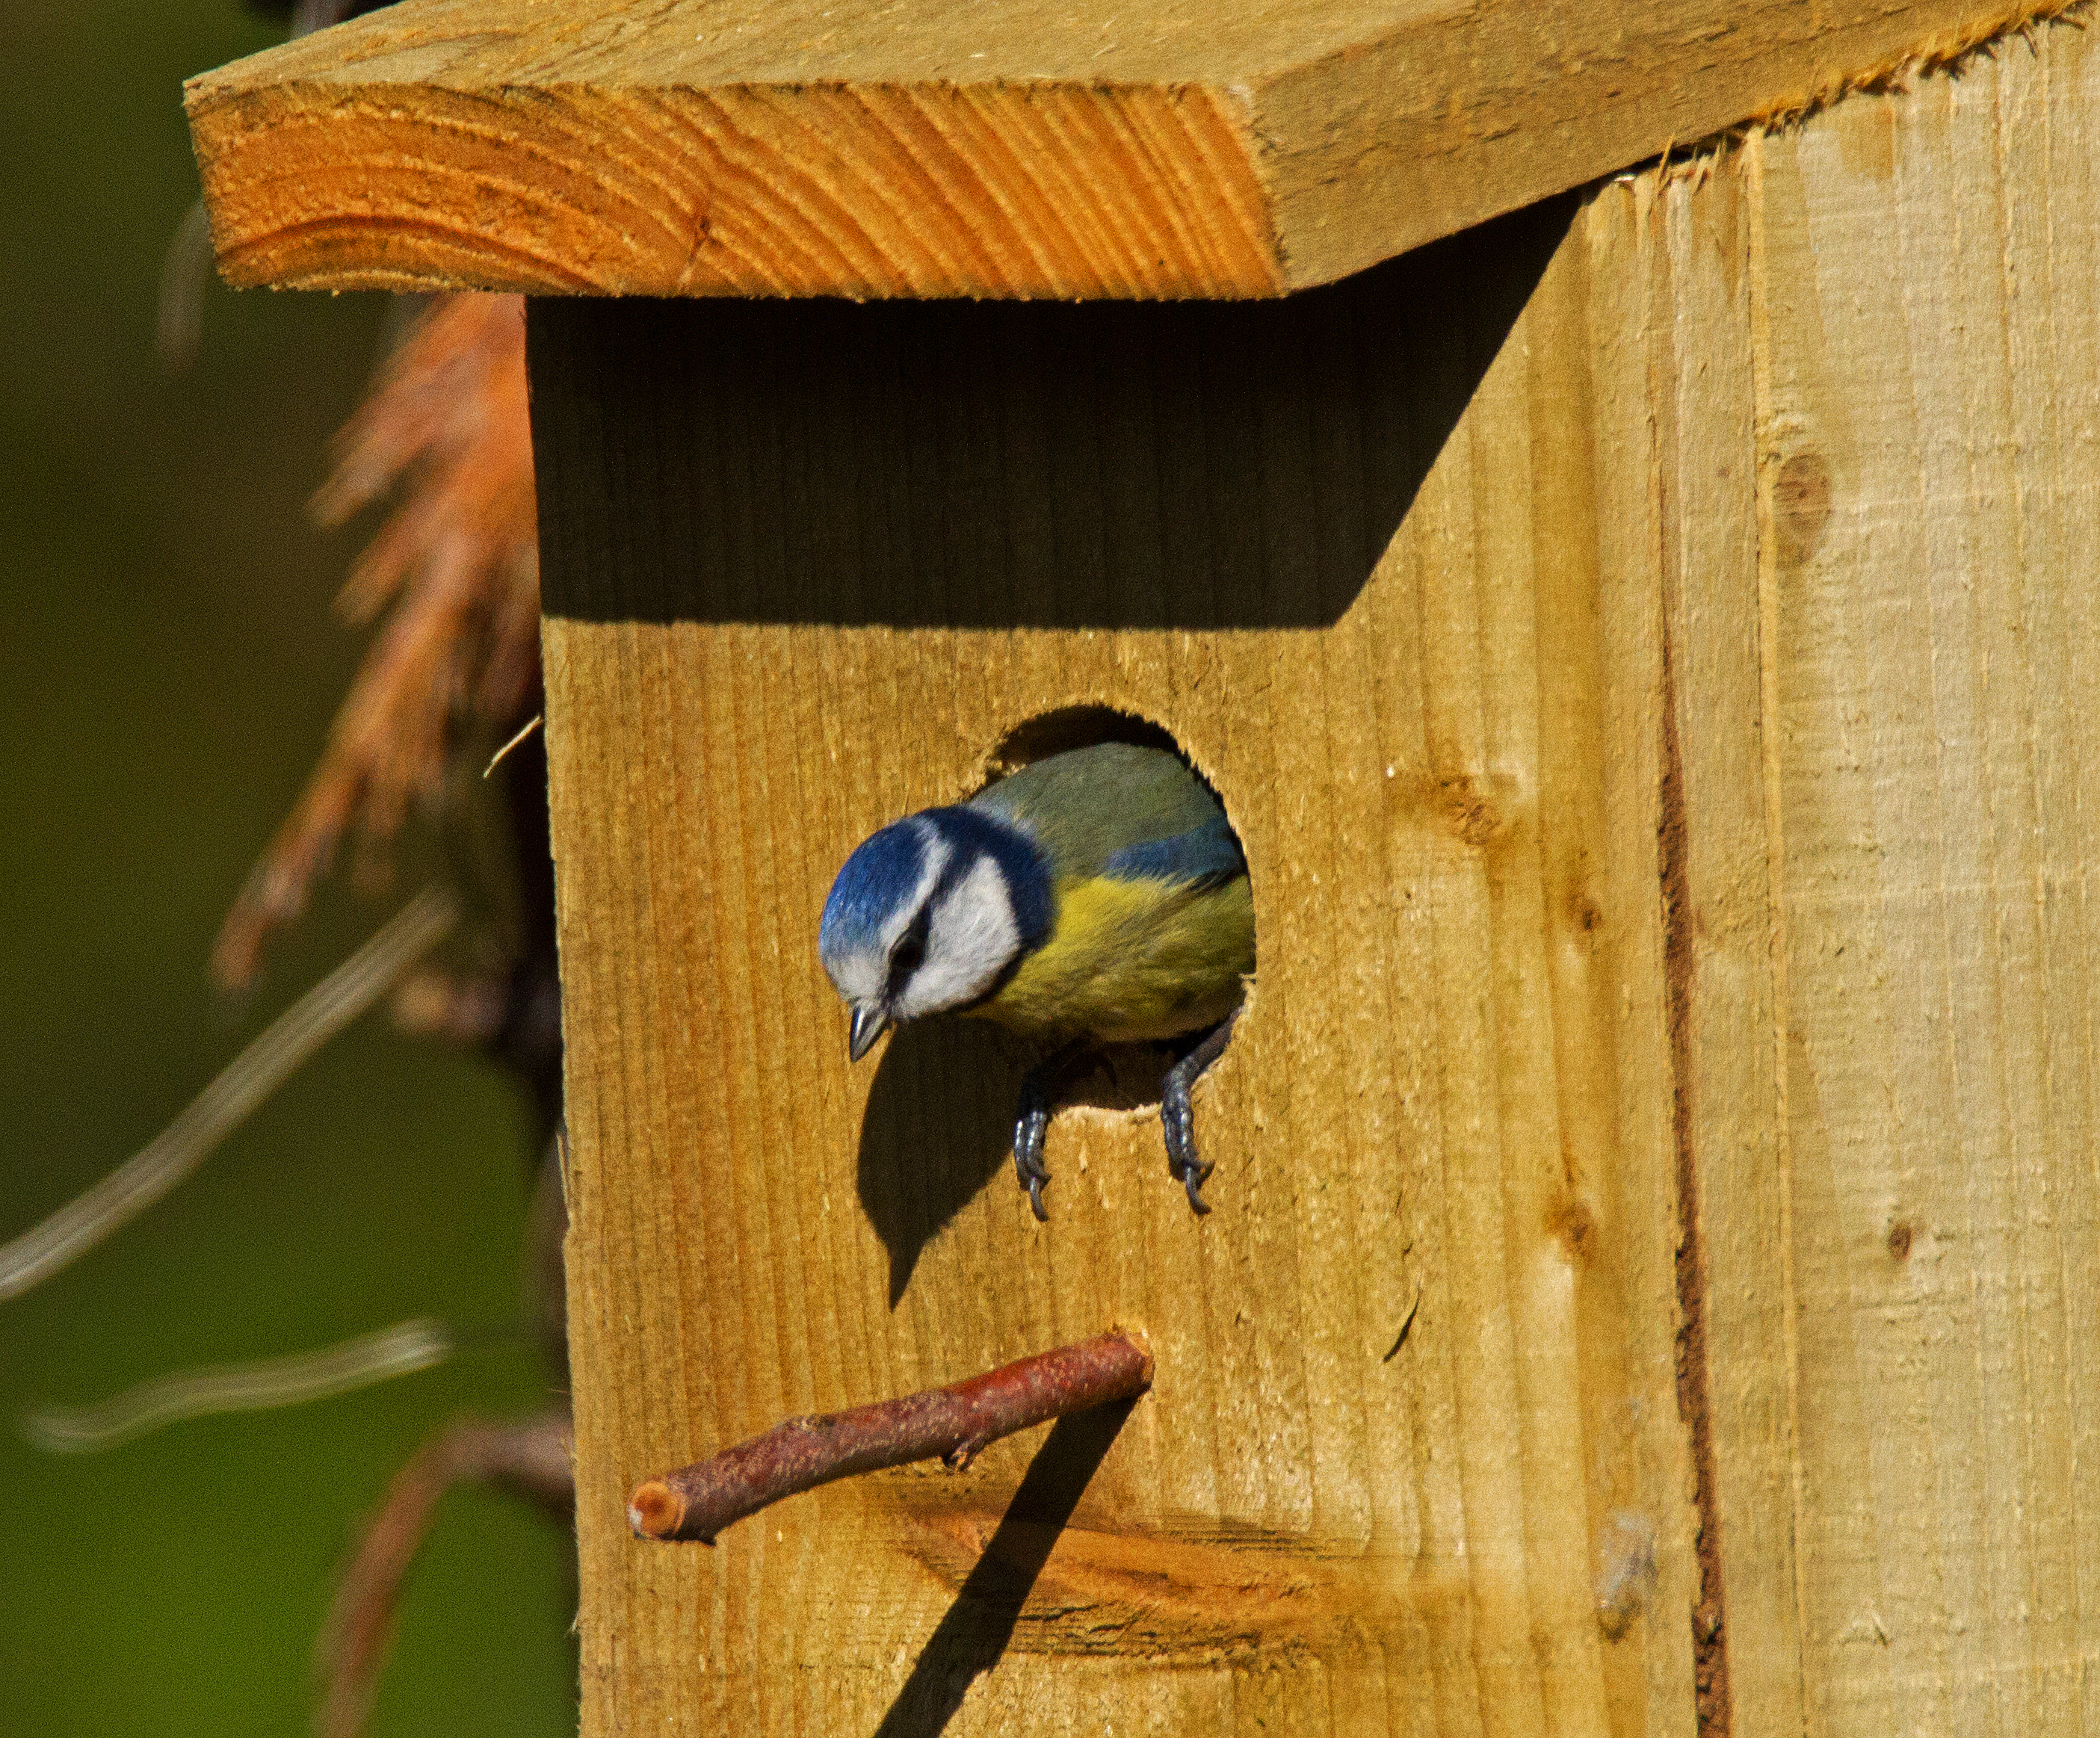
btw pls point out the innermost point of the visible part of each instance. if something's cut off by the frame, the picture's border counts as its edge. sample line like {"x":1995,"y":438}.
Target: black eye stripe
{"x":910,"y":950}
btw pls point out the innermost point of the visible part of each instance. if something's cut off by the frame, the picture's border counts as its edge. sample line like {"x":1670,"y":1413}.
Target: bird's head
{"x":929,"y":915}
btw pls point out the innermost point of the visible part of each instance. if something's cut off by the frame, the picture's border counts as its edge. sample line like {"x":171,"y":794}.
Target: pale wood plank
{"x":1691,"y":247}
{"x":1627,"y":344}
{"x":1889,"y":749}
{"x":1347,"y":548}
{"x":947,"y":148}
{"x":1932,"y":354}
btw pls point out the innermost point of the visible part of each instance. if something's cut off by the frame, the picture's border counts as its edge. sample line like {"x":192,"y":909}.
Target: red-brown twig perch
{"x":951,"y":1423}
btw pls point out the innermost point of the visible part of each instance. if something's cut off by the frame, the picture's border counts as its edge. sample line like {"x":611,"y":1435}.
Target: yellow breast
{"x":1132,"y":959}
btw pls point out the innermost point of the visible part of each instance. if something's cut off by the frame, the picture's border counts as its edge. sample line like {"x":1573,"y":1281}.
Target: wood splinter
{"x":952,"y":1424}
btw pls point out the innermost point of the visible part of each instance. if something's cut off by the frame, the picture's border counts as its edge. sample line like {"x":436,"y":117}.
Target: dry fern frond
{"x":459,"y":564}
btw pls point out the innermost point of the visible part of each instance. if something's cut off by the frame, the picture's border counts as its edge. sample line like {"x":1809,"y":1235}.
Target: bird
{"x":1093,"y":897}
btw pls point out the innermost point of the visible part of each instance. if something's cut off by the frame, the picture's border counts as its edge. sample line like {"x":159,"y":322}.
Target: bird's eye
{"x":911,"y":949}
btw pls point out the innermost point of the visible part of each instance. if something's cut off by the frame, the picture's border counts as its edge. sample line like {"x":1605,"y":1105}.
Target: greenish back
{"x":1085,"y":805}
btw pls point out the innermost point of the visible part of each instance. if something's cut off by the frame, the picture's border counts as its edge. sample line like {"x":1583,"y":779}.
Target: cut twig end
{"x":655,"y":1510}
{"x":1138,"y":1340}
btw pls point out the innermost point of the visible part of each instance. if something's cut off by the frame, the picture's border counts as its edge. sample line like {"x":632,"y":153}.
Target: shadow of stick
{"x":973,"y":1635}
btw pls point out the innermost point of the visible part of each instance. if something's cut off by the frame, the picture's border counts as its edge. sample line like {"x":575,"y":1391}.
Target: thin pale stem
{"x":495,"y":760}
{"x":253,"y":1386}
{"x":217,"y":1111}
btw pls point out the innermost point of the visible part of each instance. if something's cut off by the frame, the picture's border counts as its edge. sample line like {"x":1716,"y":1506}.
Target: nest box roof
{"x":964,"y":148}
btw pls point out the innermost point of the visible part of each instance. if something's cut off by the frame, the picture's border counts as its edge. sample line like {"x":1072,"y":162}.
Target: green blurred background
{"x":168,"y":667}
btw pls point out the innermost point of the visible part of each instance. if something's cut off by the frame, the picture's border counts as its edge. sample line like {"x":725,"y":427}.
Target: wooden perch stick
{"x":953,"y":1424}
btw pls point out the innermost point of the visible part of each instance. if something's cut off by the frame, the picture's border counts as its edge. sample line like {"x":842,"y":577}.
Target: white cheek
{"x":859,"y":977}
{"x":969,"y":941}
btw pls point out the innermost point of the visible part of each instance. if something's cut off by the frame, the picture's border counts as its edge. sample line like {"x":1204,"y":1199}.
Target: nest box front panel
{"x":810,"y":567}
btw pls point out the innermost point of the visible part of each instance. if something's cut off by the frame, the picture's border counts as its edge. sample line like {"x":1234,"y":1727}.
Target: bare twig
{"x":529,"y":726}
{"x":253,"y":1386}
{"x":532,"y":1457}
{"x":217,"y":1111}
{"x":951,"y":1424}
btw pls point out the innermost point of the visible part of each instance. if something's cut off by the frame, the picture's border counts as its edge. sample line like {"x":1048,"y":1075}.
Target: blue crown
{"x":878,"y":877}
{"x":885,"y":871}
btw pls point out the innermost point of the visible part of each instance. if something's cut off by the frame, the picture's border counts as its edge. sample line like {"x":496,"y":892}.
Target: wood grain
{"x":948,"y":148}
{"x":1873,"y":345}
{"x":1346,"y":548}
{"x":1645,"y":648}
{"x":1924,"y":271}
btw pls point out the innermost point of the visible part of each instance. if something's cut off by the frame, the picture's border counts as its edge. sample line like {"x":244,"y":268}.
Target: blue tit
{"x":1094,"y":896}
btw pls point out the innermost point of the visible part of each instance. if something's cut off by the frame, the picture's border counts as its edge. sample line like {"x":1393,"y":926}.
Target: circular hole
{"x":1123,"y":1076}
{"x":1080,"y":727}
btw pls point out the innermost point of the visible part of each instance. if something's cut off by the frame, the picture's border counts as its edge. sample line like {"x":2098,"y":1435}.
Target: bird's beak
{"x":869,"y":1023}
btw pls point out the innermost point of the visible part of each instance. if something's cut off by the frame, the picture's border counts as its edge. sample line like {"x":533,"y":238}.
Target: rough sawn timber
{"x":1869,"y":437}
{"x":808,"y":566}
{"x":1674,"y":850}
{"x":1108,"y":148}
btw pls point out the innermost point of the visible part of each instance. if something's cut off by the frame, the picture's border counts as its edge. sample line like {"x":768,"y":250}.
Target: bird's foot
{"x":1029,"y":1127}
{"x":1177,"y":1114}
{"x":1032,"y":1122}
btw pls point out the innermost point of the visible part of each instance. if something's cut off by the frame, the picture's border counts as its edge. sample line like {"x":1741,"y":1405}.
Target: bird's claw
{"x":1184,"y":1162}
{"x":1030,"y":1128}
{"x":1177,"y":1117}
{"x":1177,"y":1114}
{"x":1031,"y":1124}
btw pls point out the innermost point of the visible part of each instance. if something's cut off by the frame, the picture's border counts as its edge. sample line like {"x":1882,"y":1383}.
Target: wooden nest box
{"x":1644,"y":637}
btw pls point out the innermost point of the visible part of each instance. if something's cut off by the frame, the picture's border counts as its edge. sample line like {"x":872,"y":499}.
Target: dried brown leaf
{"x":457,"y":564}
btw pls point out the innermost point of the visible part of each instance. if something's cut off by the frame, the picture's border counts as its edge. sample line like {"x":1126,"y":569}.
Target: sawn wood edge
{"x":573,"y":148}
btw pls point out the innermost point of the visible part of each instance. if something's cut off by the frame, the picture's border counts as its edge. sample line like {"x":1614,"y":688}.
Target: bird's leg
{"x":1177,"y":1116}
{"x":1038,"y":1090}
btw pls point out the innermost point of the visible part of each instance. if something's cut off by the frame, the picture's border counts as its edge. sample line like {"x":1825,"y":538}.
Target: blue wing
{"x":1207,"y":856}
